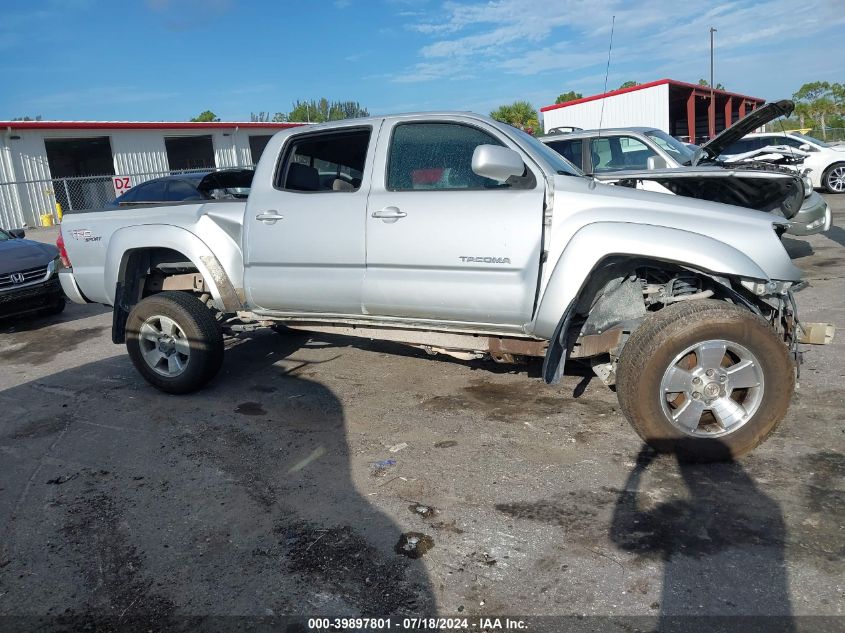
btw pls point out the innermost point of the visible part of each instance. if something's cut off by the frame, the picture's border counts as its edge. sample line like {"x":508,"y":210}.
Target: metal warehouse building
{"x":73,"y":162}
{"x":685,"y":111}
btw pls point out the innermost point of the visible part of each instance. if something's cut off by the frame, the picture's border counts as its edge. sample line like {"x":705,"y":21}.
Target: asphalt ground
{"x":289,"y":484}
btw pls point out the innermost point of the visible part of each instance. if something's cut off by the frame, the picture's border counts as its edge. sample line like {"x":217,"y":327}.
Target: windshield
{"x":672,"y":146}
{"x":555,"y":160}
{"x":811,"y":139}
{"x":4,"y":236}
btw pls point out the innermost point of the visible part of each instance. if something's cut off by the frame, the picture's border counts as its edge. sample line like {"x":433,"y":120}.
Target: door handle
{"x":269,"y":217}
{"x":389,"y":214}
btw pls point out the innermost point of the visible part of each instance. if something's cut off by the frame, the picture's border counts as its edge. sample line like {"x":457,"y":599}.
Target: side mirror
{"x":806,"y":147}
{"x":496,"y":162}
{"x":17,"y":233}
{"x":656,"y":162}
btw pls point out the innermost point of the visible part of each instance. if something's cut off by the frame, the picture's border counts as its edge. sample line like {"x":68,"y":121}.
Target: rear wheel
{"x":706,"y":380}
{"x":834,"y":178}
{"x":174,"y":341}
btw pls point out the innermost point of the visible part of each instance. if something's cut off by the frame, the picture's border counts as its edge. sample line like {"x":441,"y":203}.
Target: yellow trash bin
{"x":47,"y":219}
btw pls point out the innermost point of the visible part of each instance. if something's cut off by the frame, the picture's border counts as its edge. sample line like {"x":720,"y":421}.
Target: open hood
{"x":770,"y":190}
{"x":747,"y":124}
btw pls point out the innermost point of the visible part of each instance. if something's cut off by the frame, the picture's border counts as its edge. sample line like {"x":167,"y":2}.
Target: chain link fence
{"x":31,"y":203}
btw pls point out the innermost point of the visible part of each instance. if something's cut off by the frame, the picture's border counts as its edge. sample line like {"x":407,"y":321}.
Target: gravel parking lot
{"x":288,"y":484}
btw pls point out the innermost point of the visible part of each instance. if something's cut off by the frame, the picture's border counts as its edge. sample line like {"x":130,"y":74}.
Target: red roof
{"x":139,"y":125}
{"x":651,"y":84}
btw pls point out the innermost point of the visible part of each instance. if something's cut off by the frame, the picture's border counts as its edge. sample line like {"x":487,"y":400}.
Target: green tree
{"x":818,"y":100}
{"x":629,"y":84}
{"x":261,"y":117}
{"x":706,"y":84}
{"x":568,"y":96}
{"x":205,"y":117}
{"x":280,"y":117}
{"x":519,"y":114}
{"x":37,"y":117}
{"x":321,"y":110}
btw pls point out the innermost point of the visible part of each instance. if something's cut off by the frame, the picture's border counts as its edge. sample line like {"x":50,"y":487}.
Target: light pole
{"x":712,"y":111}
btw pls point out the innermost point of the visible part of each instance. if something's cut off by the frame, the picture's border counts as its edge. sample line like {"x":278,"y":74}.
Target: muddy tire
{"x":174,"y":341}
{"x":833,"y":178}
{"x":705,"y":380}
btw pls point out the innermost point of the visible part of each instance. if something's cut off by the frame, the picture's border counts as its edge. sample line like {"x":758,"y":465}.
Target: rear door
{"x":442,"y":242}
{"x":304,"y":235}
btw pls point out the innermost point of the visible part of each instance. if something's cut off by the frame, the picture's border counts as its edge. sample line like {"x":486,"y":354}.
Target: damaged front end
{"x":598,"y":326}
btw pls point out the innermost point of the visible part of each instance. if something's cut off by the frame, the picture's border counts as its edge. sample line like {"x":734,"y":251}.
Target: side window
{"x":570,"y":150}
{"x":788,"y":140}
{"x":634,"y":152}
{"x":740,"y":147}
{"x":436,"y":156}
{"x":606,"y":155}
{"x":150,"y":192}
{"x":332,"y":161}
{"x":178,"y":190}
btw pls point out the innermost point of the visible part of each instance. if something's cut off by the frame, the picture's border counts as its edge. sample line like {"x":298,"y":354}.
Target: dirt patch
{"x":42,"y":427}
{"x":250,"y":408}
{"x":421,"y":510}
{"x":342,"y":561}
{"x":38,"y":347}
{"x":414,"y":544}
{"x":113,"y":569}
{"x":499,"y":402}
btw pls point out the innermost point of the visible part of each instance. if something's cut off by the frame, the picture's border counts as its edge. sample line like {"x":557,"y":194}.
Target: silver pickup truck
{"x":463,"y":236}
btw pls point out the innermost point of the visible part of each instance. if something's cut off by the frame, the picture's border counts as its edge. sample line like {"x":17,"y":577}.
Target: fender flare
{"x":133,"y":238}
{"x":674,"y":246}
{"x":581,"y":258}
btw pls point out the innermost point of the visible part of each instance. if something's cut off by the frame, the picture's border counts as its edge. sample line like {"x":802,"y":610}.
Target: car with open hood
{"x":28,"y":276}
{"x":650,"y":159}
{"x":824,"y":163}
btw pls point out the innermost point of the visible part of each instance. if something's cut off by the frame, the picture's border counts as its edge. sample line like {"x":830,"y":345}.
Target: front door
{"x":442,"y":242}
{"x":304,"y":236}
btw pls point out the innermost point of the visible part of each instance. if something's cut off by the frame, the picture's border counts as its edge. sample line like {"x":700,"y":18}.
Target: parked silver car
{"x":651,"y":159}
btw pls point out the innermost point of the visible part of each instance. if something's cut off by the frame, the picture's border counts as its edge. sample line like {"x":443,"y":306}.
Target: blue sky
{"x":171,"y":59}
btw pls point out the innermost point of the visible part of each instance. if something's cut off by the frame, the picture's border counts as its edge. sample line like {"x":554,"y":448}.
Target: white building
{"x":683,"y":110}
{"x":42,"y":162}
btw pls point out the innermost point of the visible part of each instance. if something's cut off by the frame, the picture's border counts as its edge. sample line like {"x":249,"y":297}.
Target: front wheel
{"x":706,"y":380}
{"x":174,"y":341}
{"x":834,"y":178}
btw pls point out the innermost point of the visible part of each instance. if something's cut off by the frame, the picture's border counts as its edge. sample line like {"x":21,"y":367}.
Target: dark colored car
{"x":29,"y":279}
{"x":226,"y":184}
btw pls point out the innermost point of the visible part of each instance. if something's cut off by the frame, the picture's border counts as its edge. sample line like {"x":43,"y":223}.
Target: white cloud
{"x":566,"y":37}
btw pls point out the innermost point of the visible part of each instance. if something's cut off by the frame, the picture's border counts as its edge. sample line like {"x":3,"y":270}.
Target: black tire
{"x":827,"y":178}
{"x":200,"y":333}
{"x":655,"y":346}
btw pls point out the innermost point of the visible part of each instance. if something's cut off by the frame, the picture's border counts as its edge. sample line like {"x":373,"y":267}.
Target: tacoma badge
{"x":486,"y":260}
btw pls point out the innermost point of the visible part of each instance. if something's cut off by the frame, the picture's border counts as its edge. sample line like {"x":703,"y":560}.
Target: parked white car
{"x":826,"y":162}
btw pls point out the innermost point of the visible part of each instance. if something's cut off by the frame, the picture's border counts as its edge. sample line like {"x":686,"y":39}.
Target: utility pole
{"x":711,"y":114}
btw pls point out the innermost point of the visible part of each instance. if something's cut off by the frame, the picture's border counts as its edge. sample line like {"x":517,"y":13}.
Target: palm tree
{"x":519,"y":114}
